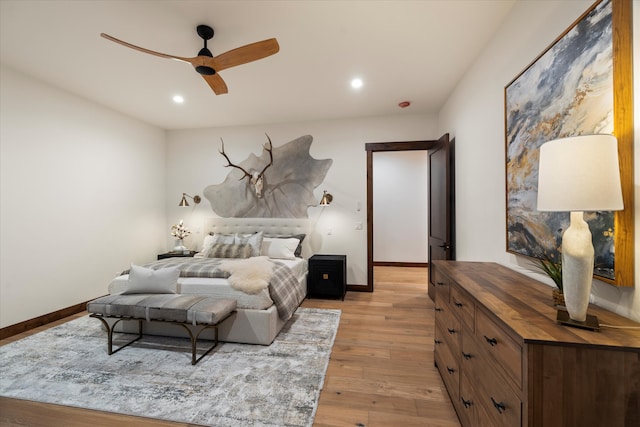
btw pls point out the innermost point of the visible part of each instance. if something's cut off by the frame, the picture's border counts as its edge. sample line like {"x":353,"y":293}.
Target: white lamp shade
{"x":580,"y":173}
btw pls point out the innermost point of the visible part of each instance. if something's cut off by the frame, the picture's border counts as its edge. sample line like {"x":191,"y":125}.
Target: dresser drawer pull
{"x":438,"y":309}
{"x":451,"y":371}
{"x":440,"y":283}
{"x":437,"y":341}
{"x":458,"y":304}
{"x":498,"y":405}
{"x":466,"y":356}
{"x":491,"y":341}
{"x":466,"y":403}
{"x":451,"y":331}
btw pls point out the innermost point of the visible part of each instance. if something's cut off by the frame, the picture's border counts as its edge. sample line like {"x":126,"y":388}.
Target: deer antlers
{"x":256,"y":179}
{"x":270,"y":151}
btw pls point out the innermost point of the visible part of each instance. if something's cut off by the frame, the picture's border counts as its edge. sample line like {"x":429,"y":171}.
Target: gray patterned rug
{"x":235,"y":385}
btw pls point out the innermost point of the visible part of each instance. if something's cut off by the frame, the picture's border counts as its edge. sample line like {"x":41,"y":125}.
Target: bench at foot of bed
{"x":194,"y":313}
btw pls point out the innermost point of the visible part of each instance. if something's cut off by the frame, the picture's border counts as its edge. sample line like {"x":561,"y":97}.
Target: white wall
{"x":400,"y":180}
{"x":193,"y":162}
{"x":474,"y":115}
{"x":81,"y":196}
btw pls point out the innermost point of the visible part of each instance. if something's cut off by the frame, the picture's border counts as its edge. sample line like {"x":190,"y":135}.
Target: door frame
{"x":373,"y":147}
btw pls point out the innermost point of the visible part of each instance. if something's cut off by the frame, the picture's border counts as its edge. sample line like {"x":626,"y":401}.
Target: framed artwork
{"x":581,"y":84}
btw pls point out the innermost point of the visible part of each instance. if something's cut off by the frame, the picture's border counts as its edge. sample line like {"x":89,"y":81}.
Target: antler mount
{"x":255,"y":178}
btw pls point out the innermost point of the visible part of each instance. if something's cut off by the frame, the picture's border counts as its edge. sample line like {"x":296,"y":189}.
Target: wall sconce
{"x":326,"y":199}
{"x":196,"y":199}
{"x":574,"y":175}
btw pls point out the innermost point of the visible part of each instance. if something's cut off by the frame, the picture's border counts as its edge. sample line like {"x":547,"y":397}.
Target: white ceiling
{"x":403,"y":50}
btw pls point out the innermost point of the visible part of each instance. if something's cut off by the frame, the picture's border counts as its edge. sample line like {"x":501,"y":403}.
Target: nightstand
{"x":327,"y":276}
{"x":176,"y":254}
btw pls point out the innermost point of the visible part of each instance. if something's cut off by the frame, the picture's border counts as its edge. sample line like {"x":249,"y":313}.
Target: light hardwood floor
{"x":381,"y":371}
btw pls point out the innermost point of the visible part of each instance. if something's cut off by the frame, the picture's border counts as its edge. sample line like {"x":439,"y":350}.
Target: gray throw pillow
{"x":144,"y":280}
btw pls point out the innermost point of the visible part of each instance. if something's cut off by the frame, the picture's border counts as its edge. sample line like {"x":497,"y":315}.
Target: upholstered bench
{"x":195,"y":313}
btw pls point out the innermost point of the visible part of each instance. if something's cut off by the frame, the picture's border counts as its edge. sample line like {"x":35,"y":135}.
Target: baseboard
{"x":27,"y":325}
{"x":400,"y":264}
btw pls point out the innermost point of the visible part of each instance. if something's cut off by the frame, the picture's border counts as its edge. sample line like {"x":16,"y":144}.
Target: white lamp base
{"x":577,"y":267}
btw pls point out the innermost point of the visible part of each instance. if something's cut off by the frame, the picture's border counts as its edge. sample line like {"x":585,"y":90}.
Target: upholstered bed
{"x":258,"y":320}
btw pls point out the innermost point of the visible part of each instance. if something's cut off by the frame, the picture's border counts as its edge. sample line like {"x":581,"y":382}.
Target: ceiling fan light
{"x":204,"y":70}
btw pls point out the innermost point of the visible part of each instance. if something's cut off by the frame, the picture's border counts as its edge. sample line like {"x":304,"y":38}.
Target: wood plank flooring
{"x":381,"y":371}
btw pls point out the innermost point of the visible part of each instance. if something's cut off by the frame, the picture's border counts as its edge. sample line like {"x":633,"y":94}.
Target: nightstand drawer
{"x":327,"y":276}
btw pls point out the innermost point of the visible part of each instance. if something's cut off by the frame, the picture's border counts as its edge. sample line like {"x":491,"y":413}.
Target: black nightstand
{"x":176,"y":254}
{"x":327,"y":276}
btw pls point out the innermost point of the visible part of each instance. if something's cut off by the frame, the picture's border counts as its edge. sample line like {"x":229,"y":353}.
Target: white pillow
{"x":212,"y":239}
{"x":279,"y":248}
{"x":144,"y":280}
{"x":254,"y":240}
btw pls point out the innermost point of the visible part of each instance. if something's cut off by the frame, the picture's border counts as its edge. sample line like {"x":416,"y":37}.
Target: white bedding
{"x":221,"y":288}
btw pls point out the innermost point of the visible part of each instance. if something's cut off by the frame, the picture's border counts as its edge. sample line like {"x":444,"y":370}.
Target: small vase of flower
{"x":179,"y":231}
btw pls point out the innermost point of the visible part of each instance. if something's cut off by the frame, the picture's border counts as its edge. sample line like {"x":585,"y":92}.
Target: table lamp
{"x":577,"y":174}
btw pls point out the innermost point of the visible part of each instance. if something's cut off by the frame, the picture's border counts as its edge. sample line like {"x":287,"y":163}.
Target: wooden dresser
{"x":506,"y":361}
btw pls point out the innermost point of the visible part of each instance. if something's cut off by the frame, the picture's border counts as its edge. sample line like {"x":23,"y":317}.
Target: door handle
{"x":445,"y":246}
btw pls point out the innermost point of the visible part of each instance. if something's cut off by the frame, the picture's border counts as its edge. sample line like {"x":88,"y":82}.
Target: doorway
{"x":371,"y":148}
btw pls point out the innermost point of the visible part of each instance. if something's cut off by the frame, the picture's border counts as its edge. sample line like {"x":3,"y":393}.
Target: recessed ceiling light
{"x":356,"y":83}
{"x":178,"y":99}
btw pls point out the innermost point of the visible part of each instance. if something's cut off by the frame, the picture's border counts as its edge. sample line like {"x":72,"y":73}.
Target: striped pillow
{"x":227,"y":250}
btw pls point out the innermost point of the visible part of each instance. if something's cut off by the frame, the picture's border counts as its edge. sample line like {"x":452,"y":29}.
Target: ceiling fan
{"x":208,"y":65}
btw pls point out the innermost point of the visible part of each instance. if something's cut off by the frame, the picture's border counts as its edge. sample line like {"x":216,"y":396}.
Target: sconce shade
{"x":196,"y":199}
{"x":326,"y":199}
{"x":580,"y":173}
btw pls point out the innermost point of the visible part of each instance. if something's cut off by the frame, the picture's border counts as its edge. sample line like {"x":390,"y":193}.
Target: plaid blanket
{"x":284,"y":288}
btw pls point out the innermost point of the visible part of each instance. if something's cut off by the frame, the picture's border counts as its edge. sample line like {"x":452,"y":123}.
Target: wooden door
{"x":441,"y":211}
{"x":374,"y":147}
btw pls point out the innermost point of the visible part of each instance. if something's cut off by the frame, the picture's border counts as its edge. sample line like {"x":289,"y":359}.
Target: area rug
{"x":235,"y":385}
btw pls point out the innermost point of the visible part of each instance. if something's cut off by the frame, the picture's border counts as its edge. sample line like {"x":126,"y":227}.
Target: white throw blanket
{"x":250,"y":275}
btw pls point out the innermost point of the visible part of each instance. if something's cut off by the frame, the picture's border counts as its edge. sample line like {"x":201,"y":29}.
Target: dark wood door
{"x":441,"y":207}
{"x":373,"y":147}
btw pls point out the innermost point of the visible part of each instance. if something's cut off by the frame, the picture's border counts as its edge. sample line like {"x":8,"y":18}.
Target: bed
{"x":261,"y":315}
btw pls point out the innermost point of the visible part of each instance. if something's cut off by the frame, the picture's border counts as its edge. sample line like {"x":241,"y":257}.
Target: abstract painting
{"x":567,"y":91}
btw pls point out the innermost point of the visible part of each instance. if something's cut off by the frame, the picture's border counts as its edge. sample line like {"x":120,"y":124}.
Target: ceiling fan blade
{"x":244,"y":54}
{"x":150,"y":52}
{"x":216,"y":83}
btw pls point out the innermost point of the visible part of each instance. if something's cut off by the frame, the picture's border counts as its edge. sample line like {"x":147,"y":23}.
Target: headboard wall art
{"x":278,"y":184}
{"x":270,"y":226}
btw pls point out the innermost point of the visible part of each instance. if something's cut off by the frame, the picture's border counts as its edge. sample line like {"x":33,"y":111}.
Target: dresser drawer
{"x":506,"y":352}
{"x":500,"y":405}
{"x":442,"y":287}
{"x":471,"y":411}
{"x":467,"y":409}
{"x":447,"y":365}
{"x":463,"y":306}
{"x":451,"y":326}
